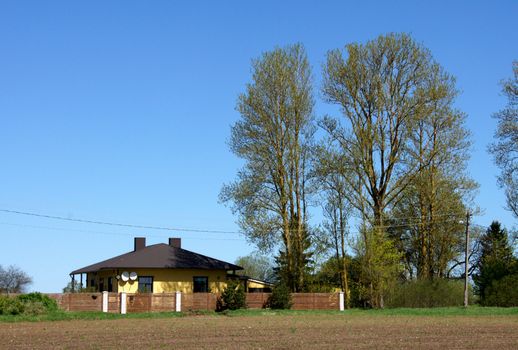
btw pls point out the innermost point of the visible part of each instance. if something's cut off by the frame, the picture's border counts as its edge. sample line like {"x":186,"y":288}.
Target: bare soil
{"x":268,"y":332}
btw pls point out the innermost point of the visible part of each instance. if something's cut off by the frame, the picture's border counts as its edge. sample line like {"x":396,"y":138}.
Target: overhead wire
{"x":112,"y":233}
{"x":96,"y":222}
{"x":408,"y":224}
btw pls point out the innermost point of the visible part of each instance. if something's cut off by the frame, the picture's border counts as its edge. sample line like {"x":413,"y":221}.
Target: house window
{"x":145,"y":284}
{"x":200,"y":284}
{"x":110,"y":284}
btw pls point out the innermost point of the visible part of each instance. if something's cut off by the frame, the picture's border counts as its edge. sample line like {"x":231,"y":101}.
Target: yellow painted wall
{"x":164,"y":280}
{"x":254,"y":284}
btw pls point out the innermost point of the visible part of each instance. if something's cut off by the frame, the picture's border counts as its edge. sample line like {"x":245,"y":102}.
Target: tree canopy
{"x":505,"y":147}
{"x":404,"y":148}
{"x":389,"y":170}
{"x":13,"y":280}
{"x":257,"y":266}
{"x":273,"y":137}
{"x":496,"y":260}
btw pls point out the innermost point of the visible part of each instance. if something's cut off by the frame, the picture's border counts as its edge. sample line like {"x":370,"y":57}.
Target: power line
{"x":408,"y":224}
{"x":110,"y":233}
{"x":161,"y":228}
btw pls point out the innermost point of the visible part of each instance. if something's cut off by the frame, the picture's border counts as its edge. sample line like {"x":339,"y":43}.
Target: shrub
{"x":280,"y":297}
{"x":359,"y":295}
{"x":426,"y":293}
{"x":502,"y":292}
{"x":34,"y":308}
{"x":233,"y":297}
{"x":28,"y":304}
{"x":11,"y":306}
{"x":3,"y":300}
{"x":46,"y":302}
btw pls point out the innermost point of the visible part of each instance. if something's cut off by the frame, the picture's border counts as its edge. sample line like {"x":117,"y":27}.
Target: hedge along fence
{"x":164,"y":302}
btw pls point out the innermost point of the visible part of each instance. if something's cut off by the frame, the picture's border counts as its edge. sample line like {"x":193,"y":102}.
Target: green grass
{"x":439,"y":312}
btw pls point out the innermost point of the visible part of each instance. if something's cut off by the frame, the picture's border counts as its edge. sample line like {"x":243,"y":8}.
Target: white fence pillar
{"x":105,"y":301}
{"x":123,"y":303}
{"x":342,"y":303}
{"x":178,"y":299}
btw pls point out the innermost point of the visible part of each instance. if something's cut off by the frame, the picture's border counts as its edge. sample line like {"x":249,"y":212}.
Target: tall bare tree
{"x":426,"y":227}
{"x":505,"y":149}
{"x":274,"y":137}
{"x":435,"y":201}
{"x":330,"y":177}
{"x":13,"y":280}
{"x":385,"y":88}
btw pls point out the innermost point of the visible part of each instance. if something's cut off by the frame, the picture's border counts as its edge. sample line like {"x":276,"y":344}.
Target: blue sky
{"x":120,"y":110}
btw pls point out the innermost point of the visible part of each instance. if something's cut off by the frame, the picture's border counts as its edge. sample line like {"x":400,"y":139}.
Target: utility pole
{"x":466,"y":255}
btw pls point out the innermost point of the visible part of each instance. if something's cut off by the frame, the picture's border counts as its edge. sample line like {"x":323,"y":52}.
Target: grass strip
{"x":436,"y":312}
{"x":439,"y":311}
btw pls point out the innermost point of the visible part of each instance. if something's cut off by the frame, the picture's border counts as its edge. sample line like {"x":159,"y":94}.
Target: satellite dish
{"x":125,"y":276}
{"x":133,"y":276}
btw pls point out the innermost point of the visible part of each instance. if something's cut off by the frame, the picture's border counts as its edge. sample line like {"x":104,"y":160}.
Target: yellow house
{"x":252,"y":285}
{"x":158,"y":268}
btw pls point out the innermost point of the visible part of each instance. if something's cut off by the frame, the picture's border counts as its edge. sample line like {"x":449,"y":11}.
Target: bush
{"x":46,"y":302}
{"x":3,"y":300}
{"x":426,"y":293}
{"x":233,"y":297}
{"x":27,"y":304}
{"x":280,"y":297}
{"x":34,"y":308}
{"x":502,"y":292}
{"x":11,"y":306}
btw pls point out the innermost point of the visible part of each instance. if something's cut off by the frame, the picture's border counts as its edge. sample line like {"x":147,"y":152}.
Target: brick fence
{"x":199,"y":301}
{"x":188,"y":302}
{"x":316,"y":301}
{"x":151,"y":302}
{"x":81,"y":301}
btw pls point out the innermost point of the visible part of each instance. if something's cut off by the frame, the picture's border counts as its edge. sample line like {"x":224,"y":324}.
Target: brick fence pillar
{"x":342,"y":301}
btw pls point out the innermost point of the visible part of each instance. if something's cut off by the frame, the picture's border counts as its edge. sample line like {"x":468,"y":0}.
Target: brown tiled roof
{"x":160,"y":256}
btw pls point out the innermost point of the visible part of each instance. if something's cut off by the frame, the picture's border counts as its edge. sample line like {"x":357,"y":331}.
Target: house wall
{"x":164,"y":280}
{"x":254,"y":286}
{"x":257,"y":284}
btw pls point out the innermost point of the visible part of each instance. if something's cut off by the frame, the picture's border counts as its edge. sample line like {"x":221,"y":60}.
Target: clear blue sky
{"x":120,"y":110}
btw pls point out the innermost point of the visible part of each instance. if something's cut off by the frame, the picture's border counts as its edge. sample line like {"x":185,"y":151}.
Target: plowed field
{"x":268,"y":332}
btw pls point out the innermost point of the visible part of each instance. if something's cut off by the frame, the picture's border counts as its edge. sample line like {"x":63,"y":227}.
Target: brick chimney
{"x":140,"y":243}
{"x":175,"y":242}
